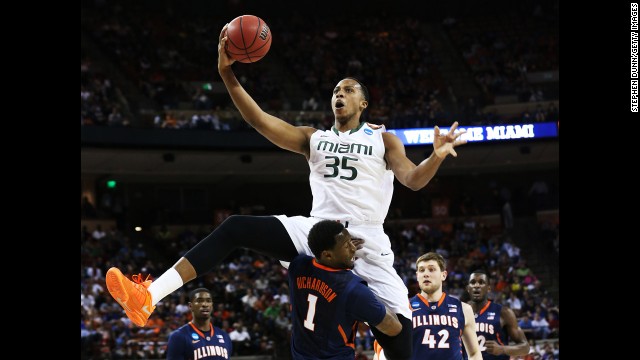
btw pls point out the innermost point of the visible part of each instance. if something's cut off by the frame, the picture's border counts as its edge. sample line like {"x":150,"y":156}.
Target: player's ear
{"x":364,"y":104}
{"x":326,"y":254}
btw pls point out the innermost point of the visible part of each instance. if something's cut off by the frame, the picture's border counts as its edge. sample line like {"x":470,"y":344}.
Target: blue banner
{"x":423,"y":136}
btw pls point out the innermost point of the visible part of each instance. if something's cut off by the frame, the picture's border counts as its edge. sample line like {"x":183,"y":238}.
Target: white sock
{"x":167,"y":283}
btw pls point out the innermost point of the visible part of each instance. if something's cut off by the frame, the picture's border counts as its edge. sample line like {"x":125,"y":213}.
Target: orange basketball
{"x":249,"y":39}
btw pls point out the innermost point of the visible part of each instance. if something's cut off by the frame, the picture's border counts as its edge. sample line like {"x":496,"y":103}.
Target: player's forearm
{"x":248,"y":108}
{"x":516,"y":350}
{"x":475,"y":356}
{"x":424,"y":172}
{"x":390,"y":325}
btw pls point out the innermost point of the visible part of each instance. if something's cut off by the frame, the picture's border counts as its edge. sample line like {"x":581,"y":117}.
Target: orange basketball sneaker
{"x":133,"y":296}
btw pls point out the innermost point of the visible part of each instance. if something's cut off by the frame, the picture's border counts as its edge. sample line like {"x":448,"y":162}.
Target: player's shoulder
{"x":308,"y":129}
{"x":301,"y":259}
{"x":414,"y":301}
{"x":219,"y":331}
{"x":375,"y":126}
{"x":356,"y":280}
{"x":466,"y":308}
{"x":390,"y":138}
{"x":181,"y":331}
{"x":505,"y":310}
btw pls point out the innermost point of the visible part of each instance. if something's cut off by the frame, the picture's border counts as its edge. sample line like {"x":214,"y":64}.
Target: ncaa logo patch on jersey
{"x":415,"y":304}
{"x":194,"y":336}
{"x":368,"y":131}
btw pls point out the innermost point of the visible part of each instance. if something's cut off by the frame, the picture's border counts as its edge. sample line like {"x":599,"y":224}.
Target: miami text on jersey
{"x":345,"y":148}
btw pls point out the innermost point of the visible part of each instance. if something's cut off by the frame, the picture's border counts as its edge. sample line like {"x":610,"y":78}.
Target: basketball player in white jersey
{"x":352,"y":169}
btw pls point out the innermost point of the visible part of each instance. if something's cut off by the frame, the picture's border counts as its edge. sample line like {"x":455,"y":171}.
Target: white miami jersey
{"x":349,"y":176}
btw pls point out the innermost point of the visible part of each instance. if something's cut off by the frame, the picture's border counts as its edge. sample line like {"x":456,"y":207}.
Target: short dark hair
{"x":192,"y":293}
{"x":322,"y":236}
{"x":479,"y":272}
{"x":365,"y":91}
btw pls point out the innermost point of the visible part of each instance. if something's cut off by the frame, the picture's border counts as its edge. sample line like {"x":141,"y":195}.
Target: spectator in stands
{"x":98,"y":233}
{"x":547,"y":352}
{"x":526,"y":325}
{"x":554,"y":322}
{"x":512,"y":250}
{"x":540,"y":326}
{"x":201,"y":101}
{"x":241,"y":340}
{"x":249,"y":298}
{"x":514,"y":303}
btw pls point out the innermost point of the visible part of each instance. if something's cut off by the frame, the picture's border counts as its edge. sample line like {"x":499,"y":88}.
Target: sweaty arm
{"x":278,"y":131}
{"x":509,"y":322}
{"x":469,"y":337}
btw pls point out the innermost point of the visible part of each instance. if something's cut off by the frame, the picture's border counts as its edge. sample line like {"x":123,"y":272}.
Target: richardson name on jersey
{"x":484,"y":327}
{"x":433,"y":320}
{"x":210,"y":350}
{"x":325,"y":145}
{"x":309,"y":282}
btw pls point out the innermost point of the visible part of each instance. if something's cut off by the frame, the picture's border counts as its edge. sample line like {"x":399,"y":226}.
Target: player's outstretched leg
{"x":264,"y":234}
{"x":133,"y":296}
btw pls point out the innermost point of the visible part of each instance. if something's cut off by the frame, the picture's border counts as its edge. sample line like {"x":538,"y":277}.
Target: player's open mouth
{"x":339,"y":104}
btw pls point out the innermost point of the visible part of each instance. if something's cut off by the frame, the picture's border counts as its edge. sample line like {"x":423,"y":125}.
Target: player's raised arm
{"x":278,"y":131}
{"x":416,"y":177}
